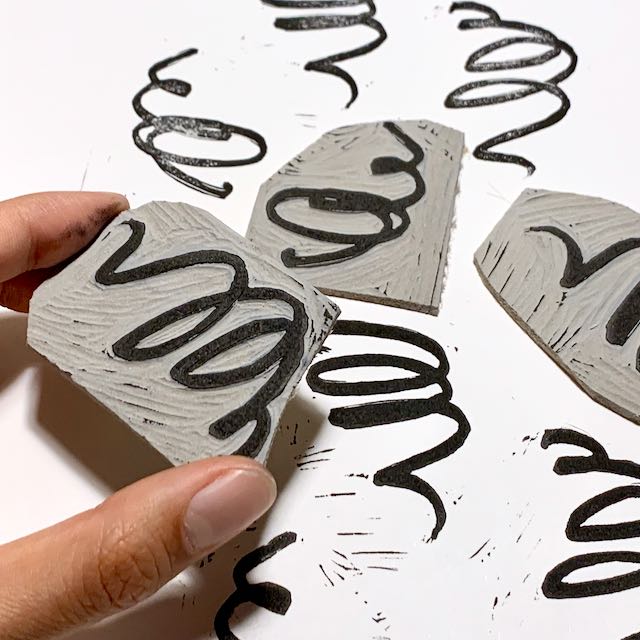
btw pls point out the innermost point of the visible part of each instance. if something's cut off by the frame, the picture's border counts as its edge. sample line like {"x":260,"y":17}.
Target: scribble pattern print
{"x":267,"y":595}
{"x":330,"y":63}
{"x":516,"y":88}
{"x":343,"y":201}
{"x":401,"y":474}
{"x":152,"y":126}
{"x":556,"y":583}
{"x":284,"y":358}
{"x":626,"y":318}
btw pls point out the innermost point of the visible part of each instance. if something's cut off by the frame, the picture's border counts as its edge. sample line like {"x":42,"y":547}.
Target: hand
{"x":113,"y":556}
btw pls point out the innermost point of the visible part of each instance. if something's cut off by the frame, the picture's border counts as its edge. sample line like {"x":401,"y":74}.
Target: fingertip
{"x":110,"y":201}
{"x":226,"y":506}
{"x":43,"y":229}
{"x":217,"y":464}
{"x":97,"y":208}
{"x":105,"y":206}
{"x":242,"y":462}
{"x":130,"y":545}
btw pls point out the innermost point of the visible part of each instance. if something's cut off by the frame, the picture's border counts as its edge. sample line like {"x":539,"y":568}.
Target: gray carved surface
{"x":406,"y":271}
{"x":82,"y":320}
{"x":585,"y":315}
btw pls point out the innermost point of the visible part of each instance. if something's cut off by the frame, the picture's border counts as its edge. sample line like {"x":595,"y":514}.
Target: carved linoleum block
{"x":177,"y":325}
{"x":565,"y":267}
{"x":366,"y":212}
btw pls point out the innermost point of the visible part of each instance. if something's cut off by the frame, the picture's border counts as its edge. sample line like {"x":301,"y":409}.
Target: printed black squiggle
{"x":331,"y":21}
{"x":286,"y":354}
{"x":343,"y":201}
{"x":626,"y":317}
{"x":201,"y":128}
{"x":361,"y":416}
{"x":555,"y":585}
{"x":537,"y":35}
{"x":267,"y":595}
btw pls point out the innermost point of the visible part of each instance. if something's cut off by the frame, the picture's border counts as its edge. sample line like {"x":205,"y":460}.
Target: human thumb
{"x":112,"y":557}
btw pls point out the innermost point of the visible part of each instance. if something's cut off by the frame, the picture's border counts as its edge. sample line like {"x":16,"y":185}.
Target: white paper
{"x":70,"y":70}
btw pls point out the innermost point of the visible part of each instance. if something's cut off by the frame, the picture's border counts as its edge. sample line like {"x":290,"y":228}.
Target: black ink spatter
{"x":201,"y":128}
{"x":269,"y":596}
{"x":555,"y":584}
{"x":385,"y":412}
{"x":474,"y":64}
{"x":471,"y":557}
{"x":345,"y":202}
{"x":626,"y":317}
{"x":333,"y":21}
{"x":286,"y":354}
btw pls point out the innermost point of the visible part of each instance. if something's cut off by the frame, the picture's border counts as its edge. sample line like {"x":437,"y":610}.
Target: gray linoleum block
{"x":181,"y":328}
{"x":564,"y":267}
{"x":366,"y":212}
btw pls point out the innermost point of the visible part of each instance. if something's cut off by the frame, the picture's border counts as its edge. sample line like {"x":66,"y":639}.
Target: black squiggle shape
{"x":401,"y":474}
{"x":579,"y":532}
{"x":286,"y":354}
{"x":626,"y":317}
{"x":342,"y":201}
{"x":330,"y":63}
{"x":554,"y":585}
{"x":267,"y":595}
{"x":201,"y":128}
{"x":537,"y":35}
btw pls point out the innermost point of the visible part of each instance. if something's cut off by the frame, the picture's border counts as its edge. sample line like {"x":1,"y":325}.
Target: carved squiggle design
{"x":626,"y":318}
{"x":538,"y":36}
{"x":401,"y":474}
{"x":345,"y":202}
{"x":331,"y":21}
{"x":555,"y":584}
{"x":152,"y":126}
{"x":285,"y":356}
{"x":269,"y":596}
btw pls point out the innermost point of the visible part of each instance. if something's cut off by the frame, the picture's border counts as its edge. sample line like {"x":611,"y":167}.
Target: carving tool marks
{"x":346,"y":202}
{"x":375,"y":197}
{"x":177,"y":325}
{"x":286,"y":354}
{"x":564,"y":267}
{"x":626,"y":318}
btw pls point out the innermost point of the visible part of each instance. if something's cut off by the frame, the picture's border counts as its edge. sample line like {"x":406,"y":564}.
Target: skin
{"x":125,"y":549}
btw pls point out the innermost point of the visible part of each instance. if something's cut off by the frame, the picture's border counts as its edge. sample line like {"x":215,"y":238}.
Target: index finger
{"x":42,"y":229}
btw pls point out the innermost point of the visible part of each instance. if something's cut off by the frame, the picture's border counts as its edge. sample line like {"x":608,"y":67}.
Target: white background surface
{"x":69,"y":70}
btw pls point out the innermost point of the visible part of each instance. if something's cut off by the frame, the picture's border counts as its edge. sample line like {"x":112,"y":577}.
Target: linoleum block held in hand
{"x":178,"y":325}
